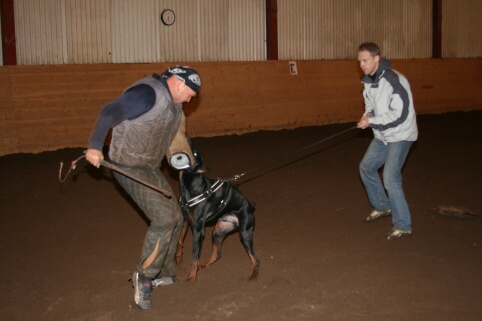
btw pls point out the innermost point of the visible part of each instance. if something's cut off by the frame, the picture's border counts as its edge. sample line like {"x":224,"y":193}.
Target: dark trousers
{"x":165,"y":220}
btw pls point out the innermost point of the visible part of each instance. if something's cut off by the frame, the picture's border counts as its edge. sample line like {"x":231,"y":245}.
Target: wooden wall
{"x":51,"y":107}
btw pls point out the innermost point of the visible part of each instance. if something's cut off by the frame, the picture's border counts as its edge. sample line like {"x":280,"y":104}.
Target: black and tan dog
{"x":206,"y":200}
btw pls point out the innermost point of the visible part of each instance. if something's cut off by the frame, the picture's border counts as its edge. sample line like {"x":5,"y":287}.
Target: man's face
{"x":182,"y":93}
{"x":368,"y":63}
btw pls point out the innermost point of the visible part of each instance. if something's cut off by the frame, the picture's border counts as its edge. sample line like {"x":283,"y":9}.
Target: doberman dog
{"x":205,"y":200}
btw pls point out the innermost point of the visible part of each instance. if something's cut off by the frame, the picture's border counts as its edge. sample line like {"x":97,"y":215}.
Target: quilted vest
{"x":143,"y":141}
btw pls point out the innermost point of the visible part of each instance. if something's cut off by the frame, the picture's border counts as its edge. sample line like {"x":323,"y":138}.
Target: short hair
{"x":371,"y":47}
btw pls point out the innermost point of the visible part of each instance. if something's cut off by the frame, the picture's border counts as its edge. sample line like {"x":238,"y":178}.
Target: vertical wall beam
{"x":437,"y":29}
{"x":9,"y":49}
{"x":272,"y":29}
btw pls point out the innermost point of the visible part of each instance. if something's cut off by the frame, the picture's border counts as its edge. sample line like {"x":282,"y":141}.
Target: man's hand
{"x":94,"y":156}
{"x":363,"y":123}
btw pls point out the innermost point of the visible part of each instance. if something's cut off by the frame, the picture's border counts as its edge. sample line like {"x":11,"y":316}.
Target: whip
{"x":115,"y":168}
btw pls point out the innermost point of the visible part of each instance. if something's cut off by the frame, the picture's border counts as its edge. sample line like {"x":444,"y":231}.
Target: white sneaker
{"x":396,"y":233}
{"x":165,"y":280}
{"x":376,"y":215}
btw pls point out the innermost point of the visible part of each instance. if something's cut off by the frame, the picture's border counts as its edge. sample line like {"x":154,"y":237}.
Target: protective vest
{"x":143,"y":141}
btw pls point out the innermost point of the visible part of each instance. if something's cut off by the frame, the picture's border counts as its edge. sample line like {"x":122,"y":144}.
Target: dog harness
{"x":205,"y":195}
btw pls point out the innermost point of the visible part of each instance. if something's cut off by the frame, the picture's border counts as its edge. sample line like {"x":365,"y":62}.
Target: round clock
{"x":168,"y":17}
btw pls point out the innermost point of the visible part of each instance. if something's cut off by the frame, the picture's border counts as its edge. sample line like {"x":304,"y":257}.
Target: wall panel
{"x":333,"y":29}
{"x":214,"y":30}
{"x":180,"y":41}
{"x":247,"y":30}
{"x":130,"y":31}
{"x":87,"y":28}
{"x":39,"y":32}
{"x":461,"y":28}
{"x":135,"y":30}
{"x":51,"y":107}
{"x":8,"y":124}
{"x":1,"y":48}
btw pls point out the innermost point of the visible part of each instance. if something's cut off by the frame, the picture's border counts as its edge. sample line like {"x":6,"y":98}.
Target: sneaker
{"x":165,"y":280}
{"x":376,"y":215}
{"x":142,"y":291}
{"x":396,"y":233}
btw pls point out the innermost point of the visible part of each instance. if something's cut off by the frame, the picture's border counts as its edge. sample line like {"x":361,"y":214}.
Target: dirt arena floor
{"x":68,"y":250}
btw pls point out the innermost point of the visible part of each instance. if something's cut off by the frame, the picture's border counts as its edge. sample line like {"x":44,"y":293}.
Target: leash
{"x":238,"y":176}
{"x":114,"y":168}
{"x":216,"y":186}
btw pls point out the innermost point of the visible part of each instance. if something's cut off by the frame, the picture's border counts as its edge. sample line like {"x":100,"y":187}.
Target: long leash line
{"x":238,"y":176}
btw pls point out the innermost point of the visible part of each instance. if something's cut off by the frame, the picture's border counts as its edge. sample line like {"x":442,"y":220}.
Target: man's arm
{"x":129,"y":106}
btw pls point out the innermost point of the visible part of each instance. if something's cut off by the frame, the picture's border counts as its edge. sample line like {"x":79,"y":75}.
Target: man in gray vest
{"x":144,"y":122}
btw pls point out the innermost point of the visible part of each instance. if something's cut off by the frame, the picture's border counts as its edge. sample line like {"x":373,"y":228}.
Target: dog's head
{"x":198,"y":166}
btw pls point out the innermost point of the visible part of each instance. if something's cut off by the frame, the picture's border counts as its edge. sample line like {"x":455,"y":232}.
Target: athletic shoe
{"x":376,"y":215}
{"x":165,"y":280}
{"x":396,"y":233}
{"x":142,"y":291}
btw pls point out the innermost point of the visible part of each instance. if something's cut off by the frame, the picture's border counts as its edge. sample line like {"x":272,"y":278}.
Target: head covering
{"x":186,"y":74}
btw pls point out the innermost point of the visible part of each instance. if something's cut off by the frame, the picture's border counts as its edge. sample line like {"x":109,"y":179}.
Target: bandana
{"x":186,"y":74}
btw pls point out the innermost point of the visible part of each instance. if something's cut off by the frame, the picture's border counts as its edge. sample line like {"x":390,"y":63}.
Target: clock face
{"x":168,"y":17}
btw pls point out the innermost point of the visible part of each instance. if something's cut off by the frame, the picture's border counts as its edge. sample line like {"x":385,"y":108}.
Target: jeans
{"x":393,"y":156}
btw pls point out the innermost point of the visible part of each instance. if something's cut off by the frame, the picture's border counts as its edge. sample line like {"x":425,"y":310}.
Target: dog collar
{"x":202,"y":197}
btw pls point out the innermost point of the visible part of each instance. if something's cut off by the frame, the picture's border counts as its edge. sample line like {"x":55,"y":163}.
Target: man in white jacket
{"x":389,"y":112}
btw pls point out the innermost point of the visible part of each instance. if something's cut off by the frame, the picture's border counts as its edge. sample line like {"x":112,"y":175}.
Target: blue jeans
{"x":393,"y":156}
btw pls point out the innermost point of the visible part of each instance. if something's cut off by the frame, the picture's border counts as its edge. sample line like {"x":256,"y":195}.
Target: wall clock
{"x":168,"y":17}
